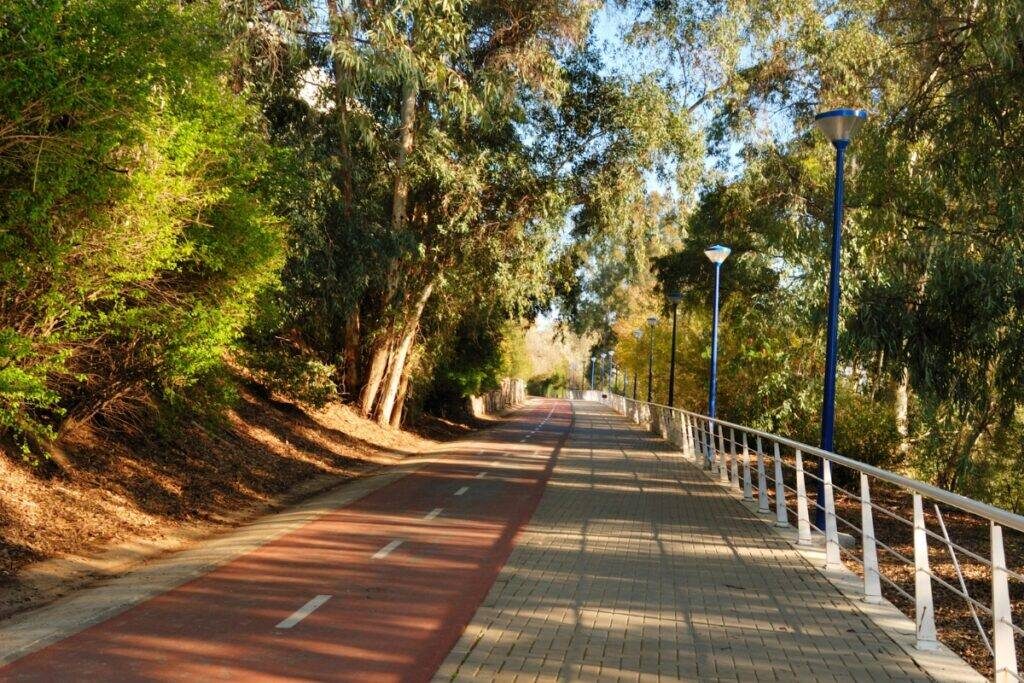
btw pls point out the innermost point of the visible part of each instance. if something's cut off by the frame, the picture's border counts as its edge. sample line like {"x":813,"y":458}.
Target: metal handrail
{"x":704,"y":439}
{"x":1002,"y":517}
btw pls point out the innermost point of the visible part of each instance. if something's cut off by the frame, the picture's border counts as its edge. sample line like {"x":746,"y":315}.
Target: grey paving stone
{"x":636,"y":567}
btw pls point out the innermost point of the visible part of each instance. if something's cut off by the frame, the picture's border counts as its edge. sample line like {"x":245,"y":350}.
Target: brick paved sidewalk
{"x":636,"y":567}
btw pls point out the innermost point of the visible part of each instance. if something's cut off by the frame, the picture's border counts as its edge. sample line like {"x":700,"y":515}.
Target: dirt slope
{"x":156,"y":489}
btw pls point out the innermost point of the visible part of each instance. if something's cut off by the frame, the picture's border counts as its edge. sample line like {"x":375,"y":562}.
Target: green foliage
{"x":135,"y":236}
{"x":931,"y":266}
{"x":551,"y":385}
{"x":293,"y":375}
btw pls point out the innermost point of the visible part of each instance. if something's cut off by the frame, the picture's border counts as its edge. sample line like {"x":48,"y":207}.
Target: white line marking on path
{"x":386,"y":550}
{"x":481,"y":475}
{"x":433,"y":513}
{"x":462,"y":490}
{"x":304,"y":611}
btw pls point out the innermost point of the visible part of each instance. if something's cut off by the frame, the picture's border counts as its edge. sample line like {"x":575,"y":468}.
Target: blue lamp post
{"x":610,"y":379}
{"x":638,"y":335}
{"x":651,"y":322}
{"x":717,"y":255}
{"x":593,"y":367}
{"x":839,"y":126}
{"x":675,"y":298}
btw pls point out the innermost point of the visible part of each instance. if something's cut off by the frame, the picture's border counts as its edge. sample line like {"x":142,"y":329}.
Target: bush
{"x":550,"y":385}
{"x":303,"y":379}
{"x":134,"y":237}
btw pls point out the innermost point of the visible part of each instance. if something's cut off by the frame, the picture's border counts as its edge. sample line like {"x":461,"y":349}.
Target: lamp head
{"x":593,"y":358}
{"x":652,"y":321}
{"x":611,"y":353}
{"x":717,"y":253}
{"x":675,"y":297}
{"x":839,"y":125}
{"x":637,"y":334}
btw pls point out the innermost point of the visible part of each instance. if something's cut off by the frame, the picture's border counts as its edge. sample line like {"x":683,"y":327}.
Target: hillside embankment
{"x":131,"y":498}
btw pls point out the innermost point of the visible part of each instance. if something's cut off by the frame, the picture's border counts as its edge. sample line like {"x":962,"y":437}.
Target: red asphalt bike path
{"x":392,"y":618}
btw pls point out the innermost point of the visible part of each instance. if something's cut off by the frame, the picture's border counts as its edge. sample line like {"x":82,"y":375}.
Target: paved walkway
{"x":512,"y":555}
{"x":636,"y":567}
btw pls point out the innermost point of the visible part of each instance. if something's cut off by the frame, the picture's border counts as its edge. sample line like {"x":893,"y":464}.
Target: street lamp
{"x":604,"y":370}
{"x":651,"y":322}
{"x":717,"y":255}
{"x":593,"y":366}
{"x":609,"y":375}
{"x":675,"y":298}
{"x":638,"y":335}
{"x":838,"y":125}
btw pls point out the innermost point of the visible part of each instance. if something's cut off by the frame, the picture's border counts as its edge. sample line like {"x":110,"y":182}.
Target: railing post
{"x":710,"y":445}
{"x":872,"y":581}
{"x":1002,"y":613}
{"x":924,"y":608}
{"x":698,"y":442}
{"x":803,"y":520}
{"x":735,"y":470}
{"x":832,"y":557}
{"x":684,"y":430}
{"x":762,"y":482}
{"x":723,"y":466}
{"x":690,"y":437}
{"x":700,"y":439}
{"x":707,"y":450}
{"x":748,"y":489}
{"x":781,"y":514}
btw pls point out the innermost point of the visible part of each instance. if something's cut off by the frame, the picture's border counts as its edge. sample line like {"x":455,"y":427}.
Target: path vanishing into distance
{"x":564,"y":543}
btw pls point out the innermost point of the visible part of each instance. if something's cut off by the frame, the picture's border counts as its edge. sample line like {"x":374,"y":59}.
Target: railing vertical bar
{"x":872,"y":580}
{"x":1005,"y":650}
{"x":684,"y":434}
{"x":924,"y":607}
{"x":762,"y":482}
{"x":803,"y":521}
{"x":832,"y":558}
{"x":748,"y":489}
{"x":733,"y":457}
{"x":781,"y":514}
{"x":698,"y":443}
{"x":710,"y":434}
{"x":723,"y":466}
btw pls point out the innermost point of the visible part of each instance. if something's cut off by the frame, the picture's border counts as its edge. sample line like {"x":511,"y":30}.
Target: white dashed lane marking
{"x":462,"y":490}
{"x":433,"y":513}
{"x":304,"y":611}
{"x":386,"y":550}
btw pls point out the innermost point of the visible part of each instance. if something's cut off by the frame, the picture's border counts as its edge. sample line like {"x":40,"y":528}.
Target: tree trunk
{"x":949,"y":478}
{"x":403,"y":390}
{"x":341,"y":24}
{"x":399,"y":207}
{"x":350,"y":356}
{"x":397,"y":366}
{"x":375,"y":375}
{"x":902,"y":410}
{"x":400,"y":193}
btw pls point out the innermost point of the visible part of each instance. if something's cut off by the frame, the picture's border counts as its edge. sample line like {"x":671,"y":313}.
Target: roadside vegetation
{"x":930,"y":338}
{"x":370,"y":203}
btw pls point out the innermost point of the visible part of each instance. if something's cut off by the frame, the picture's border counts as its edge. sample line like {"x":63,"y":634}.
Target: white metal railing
{"x":735,"y":454}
